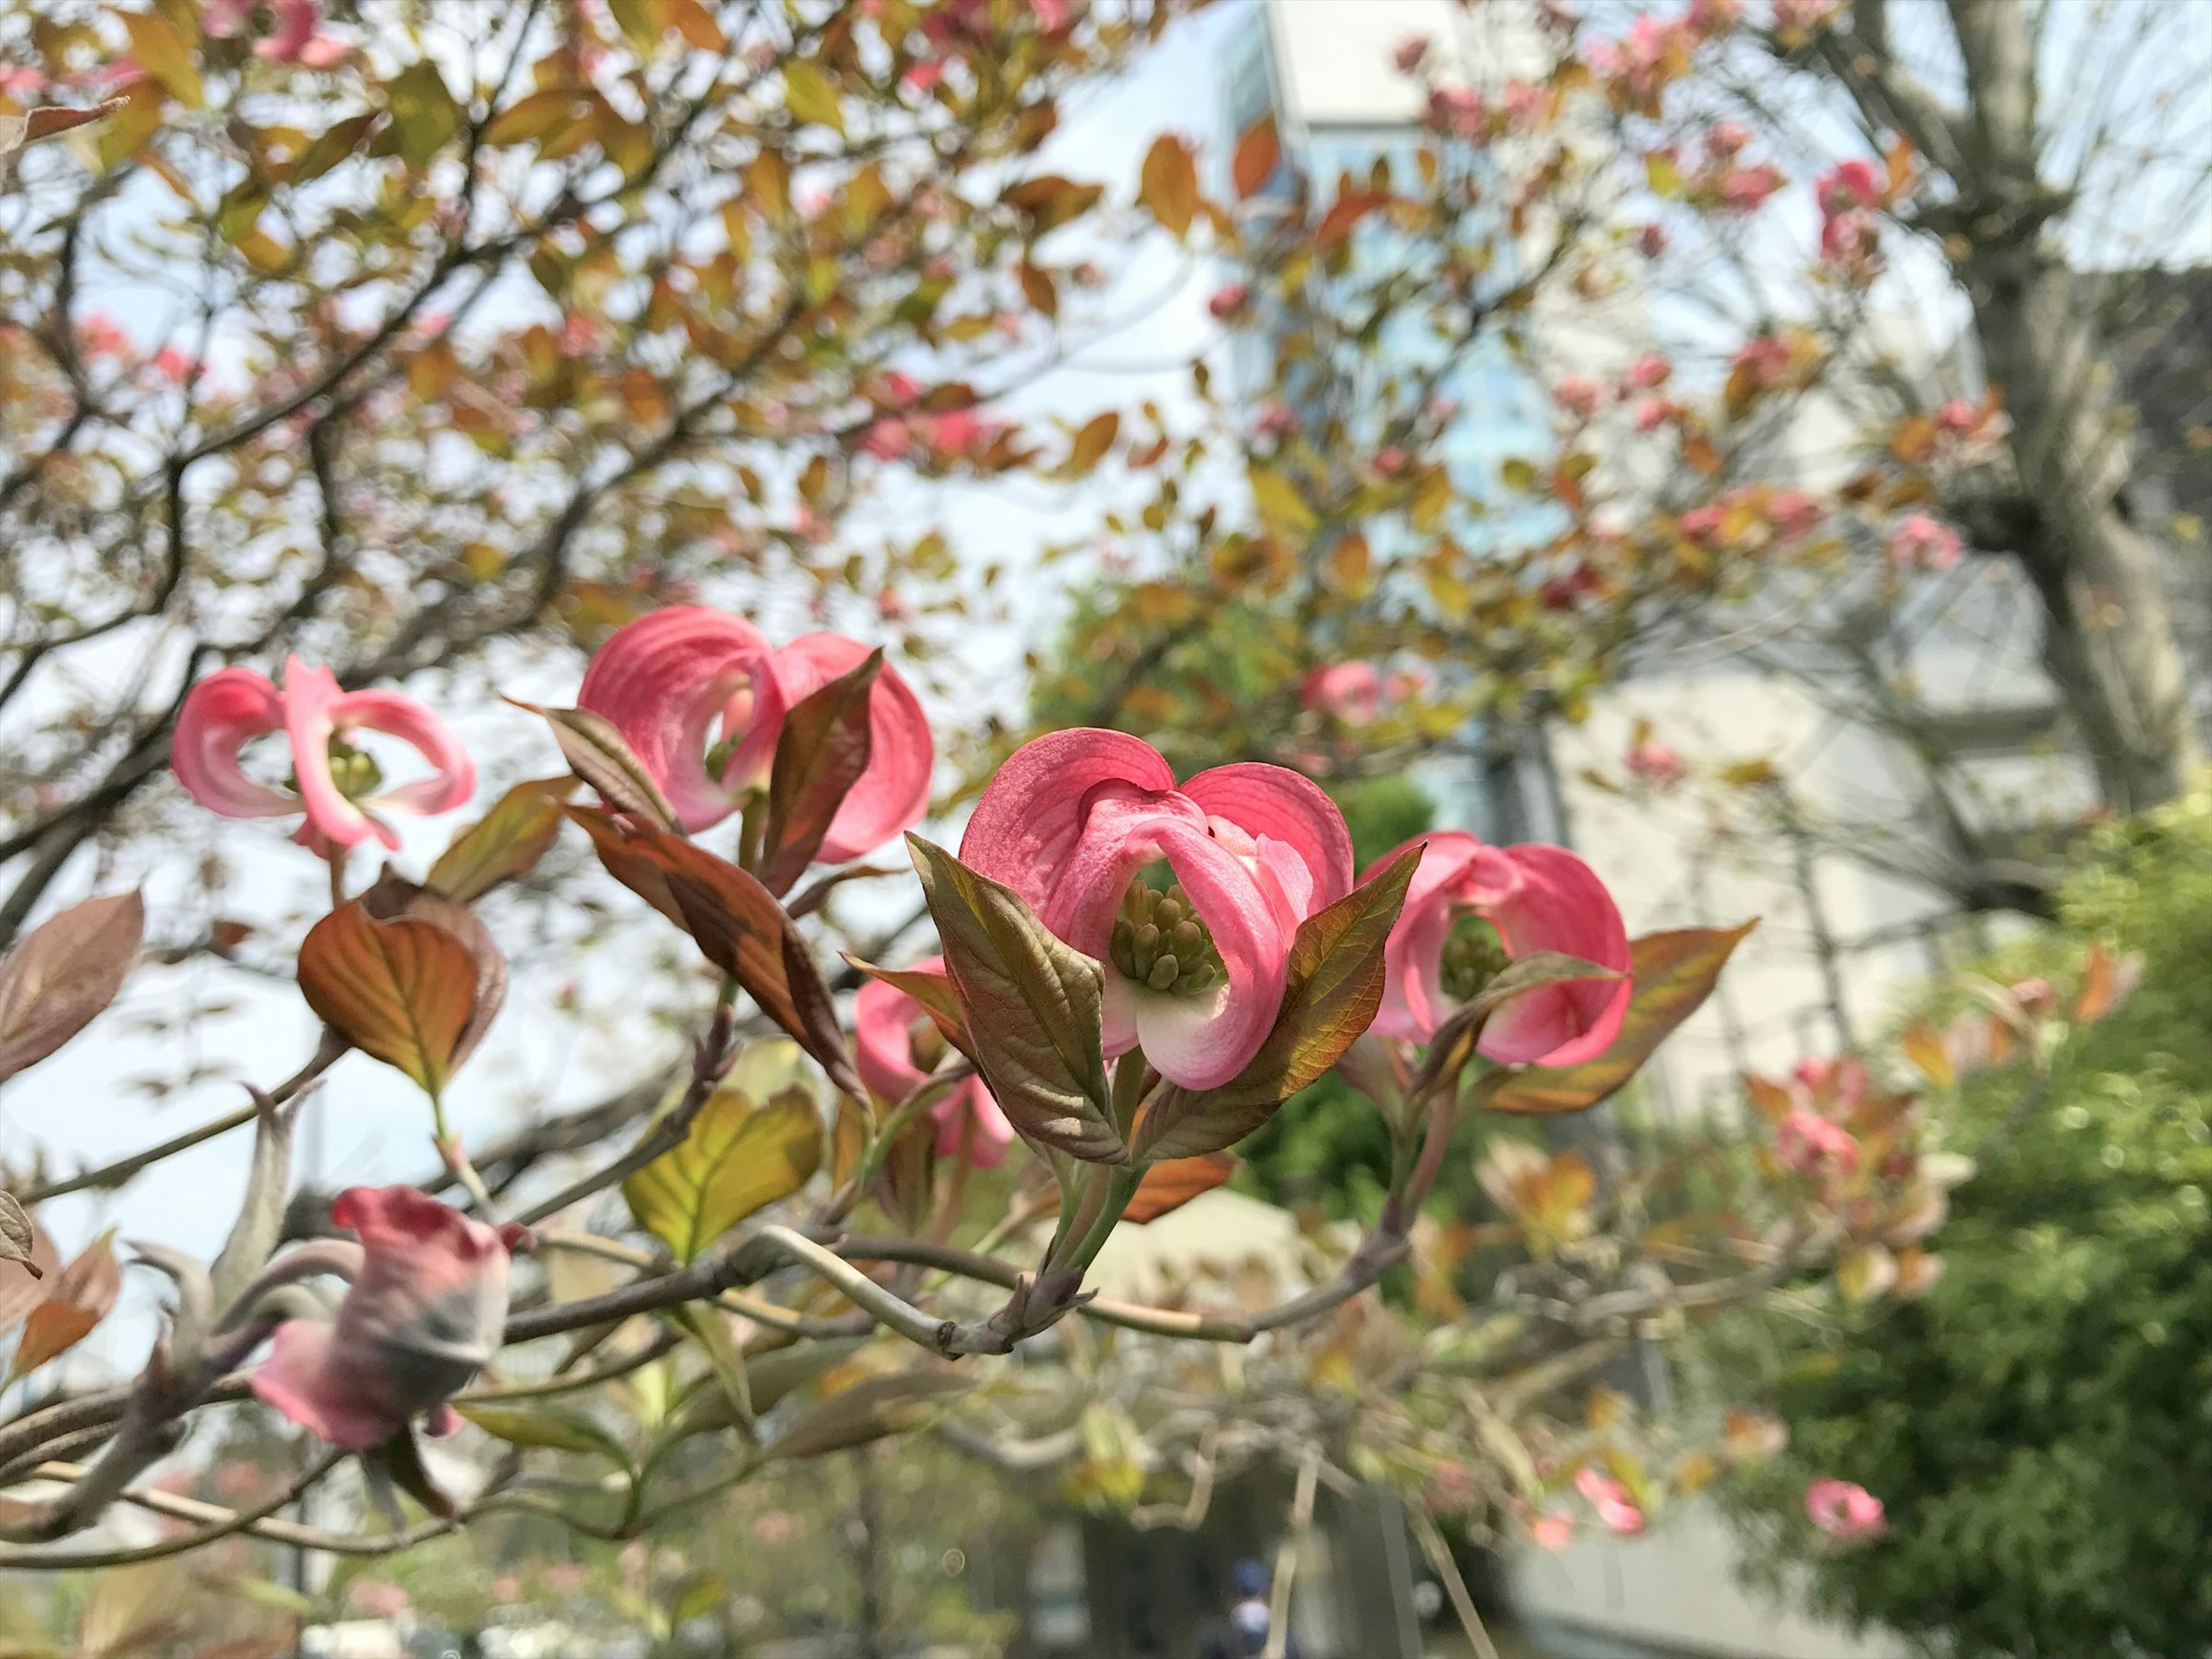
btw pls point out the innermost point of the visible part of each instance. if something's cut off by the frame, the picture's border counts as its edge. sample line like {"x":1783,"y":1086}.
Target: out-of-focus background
{"x":1763,"y":446}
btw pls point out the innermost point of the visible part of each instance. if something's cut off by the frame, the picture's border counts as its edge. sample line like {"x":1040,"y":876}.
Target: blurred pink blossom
{"x":1811,"y":1146}
{"x":1457,"y":110}
{"x":1651,"y":369}
{"x":1227,"y":301}
{"x":1611,"y":1500}
{"x":1409,"y":53}
{"x":1923,"y":544}
{"x":1843,"y":1510}
{"x":1578,"y":394}
{"x":1655,"y":763}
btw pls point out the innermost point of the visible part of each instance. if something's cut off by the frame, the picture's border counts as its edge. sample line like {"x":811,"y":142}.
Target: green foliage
{"x":2038,"y":1423}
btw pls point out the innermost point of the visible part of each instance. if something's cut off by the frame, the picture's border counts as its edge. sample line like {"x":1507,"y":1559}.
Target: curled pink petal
{"x":423,"y":1315}
{"x":666,"y":680}
{"x":883,"y":1022}
{"x":1028,"y":821}
{"x":220,"y":715}
{"x":1538,"y":898}
{"x":1284,"y":806}
{"x":1072,"y":817}
{"x":1615,"y":1508}
{"x":454,"y":774}
{"x":310,"y":701}
{"x":892,"y":795}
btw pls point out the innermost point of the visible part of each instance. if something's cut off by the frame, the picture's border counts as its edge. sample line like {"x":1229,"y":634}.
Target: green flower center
{"x":355,"y":771}
{"x":1159,"y":942}
{"x":1474,"y":955}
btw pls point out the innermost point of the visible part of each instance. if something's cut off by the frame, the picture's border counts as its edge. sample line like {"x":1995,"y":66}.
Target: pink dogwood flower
{"x":1533,"y":897}
{"x":1408,"y":53}
{"x":670,"y":679}
{"x":1742,"y":189}
{"x":1195,"y":976}
{"x":1920,"y":542}
{"x":1227,"y":301}
{"x":339,"y":788}
{"x":1843,"y":1509}
{"x":1615,"y":1508}
{"x":1578,"y":394}
{"x":897,"y":1047}
{"x":1650,"y":370}
{"x":1352,"y":691}
{"x":424,"y":1313}
{"x":1813,"y":1146}
{"x":1457,"y":110}
{"x":1554,"y":1531}
{"x":1653,"y":762}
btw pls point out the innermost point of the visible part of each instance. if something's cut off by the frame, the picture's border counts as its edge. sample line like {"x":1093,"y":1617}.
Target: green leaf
{"x":539,"y":1423}
{"x":1675,"y":972}
{"x":1031,"y":1004}
{"x":1282,"y":508}
{"x":329,"y":148}
{"x":869,"y":1410}
{"x":738,"y":1157}
{"x":1332,"y":994}
{"x":725,"y":1358}
{"x":770,"y":1377}
{"x":823,"y":749}
{"x":505,"y":842}
{"x":423,"y":113}
{"x":241,"y":209}
{"x":811,"y":97}
{"x":702,"y":1595}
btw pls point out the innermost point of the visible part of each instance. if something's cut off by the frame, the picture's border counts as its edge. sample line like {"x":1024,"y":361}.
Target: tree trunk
{"x":2109,"y":643}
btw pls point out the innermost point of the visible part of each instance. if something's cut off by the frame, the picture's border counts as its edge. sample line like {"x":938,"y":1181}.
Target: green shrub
{"x":2039,"y":1425}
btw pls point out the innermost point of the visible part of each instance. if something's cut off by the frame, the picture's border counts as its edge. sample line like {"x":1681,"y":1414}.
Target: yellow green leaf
{"x":1281,"y":508}
{"x":738,"y":1157}
{"x":811,"y":97}
{"x":166,"y":55}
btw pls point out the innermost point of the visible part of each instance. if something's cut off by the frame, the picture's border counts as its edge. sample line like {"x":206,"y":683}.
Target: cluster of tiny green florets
{"x":1159,"y":942}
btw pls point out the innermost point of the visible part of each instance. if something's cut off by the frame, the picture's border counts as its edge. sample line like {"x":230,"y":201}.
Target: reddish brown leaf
{"x":825,"y":747}
{"x":1258,"y":153}
{"x":403,"y":990}
{"x":68,"y":969}
{"x":82,"y":1296}
{"x":1347,"y":211}
{"x":394,"y":896}
{"x":738,"y":926}
{"x":1168,"y":1186}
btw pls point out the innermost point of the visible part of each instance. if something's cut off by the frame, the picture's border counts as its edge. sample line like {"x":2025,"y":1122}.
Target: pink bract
{"x":1615,"y":1508}
{"x":1352,"y":691}
{"x":1538,"y":898}
{"x":885,"y":1020}
{"x":233,"y":706}
{"x":1071,"y":818}
{"x":1843,"y":1509}
{"x":669,"y":679}
{"x":425,"y":1312}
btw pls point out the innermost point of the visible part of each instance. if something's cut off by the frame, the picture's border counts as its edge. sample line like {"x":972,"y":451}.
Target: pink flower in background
{"x":1743,"y":189}
{"x":1052,"y":16}
{"x":1554,"y":1531}
{"x":1524,"y":103}
{"x":177,"y":366}
{"x":892,"y":1037}
{"x":98,"y":335}
{"x":1071,"y":820}
{"x":1727,"y":137}
{"x":1409,"y":53}
{"x":960,"y":433}
{"x":923,"y":76}
{"x":893,"y":391}
{"x":1701,"y":524}
{"x":1228,"y":301}
{"x":425,"y":1312}
{"x":2035,"y":996}
{"x":1761,"y":359}
{"x":1650,"y":371}
{"x":1611,"y":1500}
{"x":1710,"y":17}
{"x":379,"y":1598}
{"x":297,"y":37}
{"x":224,"y":711}
{"x":1350,"y":691}
{"x":1655,"y":763}
{"x":1275,"y":422}
{"x":1848,"y":187}
{"x":17,"y":79}
{"x":1815,"y":1147}
{"x":1651,"y":240}
{"x":1457,"y":110}
{"x":1843,"y":1510}
{"x":672,"y":677}
{"x":1391,"y":463}
{"x":1794,"y":514}
{"x":1652,"y":413}
{"x":886,"y":439}
{"x":1920,"y":542}
{"x":223,"y":18}
{"x":1578,"y":394}
{"x":1796,"y":17}
{"x":1958,"y":418}
{"x":1536,"y":897}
